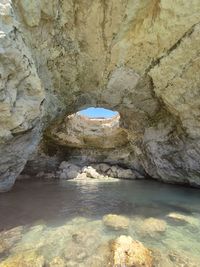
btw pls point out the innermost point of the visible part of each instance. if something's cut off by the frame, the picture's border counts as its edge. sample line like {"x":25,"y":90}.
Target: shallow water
{"x":60,"y":222}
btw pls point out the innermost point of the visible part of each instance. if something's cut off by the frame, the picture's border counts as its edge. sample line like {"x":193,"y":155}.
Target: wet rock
{"x":180,"y":260}
{"x":24,"y":259}
{"x":103,"y":167}
{"x":74,"y":251}
{"x":82,"y":176}
{"x":128,"y":252}
{"x":91,"y":172}
{"x":116,"y":222}
{"x":32,"y":240}
{"x":57,"y":262}
{"x":179,"y":218}
{"x":161,"y":259}
{"x":152,"y":226}
{"x":9,"y":238}
{"x":68,"y":170}
{"x":125,"y":174}
{"x":85,"y":237}
{"x":115,"y":171}
{"x":101,"y":257}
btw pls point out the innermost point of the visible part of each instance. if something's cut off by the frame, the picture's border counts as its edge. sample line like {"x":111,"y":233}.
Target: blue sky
{"x":98,"y":112}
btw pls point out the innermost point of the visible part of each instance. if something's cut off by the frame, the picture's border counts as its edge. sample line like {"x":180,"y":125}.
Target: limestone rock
{"x":21,"y":97}
{"x":152,"y":226}
{"x":116,"y":222}
{"x":68,"y":170}
{"x":180,"y":218}
{"x":79,"y":131}
{"x":9,"y":238}
{"x":178,"y":259}
{"x":57,"y":262}
{"x":25,"y":259}
{"x":128,"y":252}
{"x":148,"y":71}
{"x":91,"y":172}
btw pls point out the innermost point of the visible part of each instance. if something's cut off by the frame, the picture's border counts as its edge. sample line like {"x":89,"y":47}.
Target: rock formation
{"x":140,"y":58}
{"x":129,"y":252}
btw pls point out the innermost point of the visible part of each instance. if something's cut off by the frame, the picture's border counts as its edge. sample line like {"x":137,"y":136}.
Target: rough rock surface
{"x":128,"y":252}
{"x":140,"y":58}
{"x":152,"y":226}
{"x":116,"y":222}
{"x":82,"y":132}
{"x":68,"y":170}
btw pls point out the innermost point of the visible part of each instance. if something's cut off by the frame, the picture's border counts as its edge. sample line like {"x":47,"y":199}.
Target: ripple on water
{"x":72,"y":224}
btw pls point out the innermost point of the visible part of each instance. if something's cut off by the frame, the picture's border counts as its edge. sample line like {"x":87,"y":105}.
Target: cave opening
{"x":98,"y":113}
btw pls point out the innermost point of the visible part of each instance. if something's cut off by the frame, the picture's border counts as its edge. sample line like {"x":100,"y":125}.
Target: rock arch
{"x":138,"y":57}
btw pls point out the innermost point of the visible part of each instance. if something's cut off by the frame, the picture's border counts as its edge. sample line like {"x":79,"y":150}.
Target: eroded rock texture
{"x":140,"y":58}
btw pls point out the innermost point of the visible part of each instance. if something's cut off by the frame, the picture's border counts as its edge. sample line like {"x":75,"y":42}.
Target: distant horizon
{"x":93,"y":112}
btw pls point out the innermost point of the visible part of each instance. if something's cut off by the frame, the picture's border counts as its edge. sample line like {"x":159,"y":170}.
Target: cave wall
{"x":140,"y":58}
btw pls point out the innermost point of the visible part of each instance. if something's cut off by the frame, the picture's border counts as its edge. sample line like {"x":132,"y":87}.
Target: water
{"x":59,"y":223}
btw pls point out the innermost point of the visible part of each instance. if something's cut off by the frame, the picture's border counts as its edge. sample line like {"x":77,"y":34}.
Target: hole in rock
{"x":98,"y":113}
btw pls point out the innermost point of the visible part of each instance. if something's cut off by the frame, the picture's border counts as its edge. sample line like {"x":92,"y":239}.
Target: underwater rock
{"x":91,"y":172}
{"x":24,"y":259}
{"x":152,"y":226}
{"x":9,"y":238}
{"x":179,"y":218}
{"x":116,"y":222}
{"x":179,"y":259}
{"x":57,"y":262}
{"x":128,"y":252}
{"x":101,"y":256}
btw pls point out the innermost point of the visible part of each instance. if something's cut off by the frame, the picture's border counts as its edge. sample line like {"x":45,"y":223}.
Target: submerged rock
{"x":57,"y":262}
{"x":9,"y":238}
{"x":180,"y":260}
{"x":116,"y":222}
{"x":152,"y":226}
{"x":24,"y":259}
{"x":179,"y":218}
{"x":128,"y":252}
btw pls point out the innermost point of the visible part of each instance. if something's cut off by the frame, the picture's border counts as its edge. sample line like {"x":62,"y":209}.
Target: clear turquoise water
{"x":64,"y":219}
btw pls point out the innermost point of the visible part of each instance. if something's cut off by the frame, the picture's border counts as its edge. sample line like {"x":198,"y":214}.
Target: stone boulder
{"x":91,"y":172}
{"x":128,"y":252}
{"x":152,"y":226}
{"x":9,"y":238}
{"x":68,"y":170}
{"x":25,"y":259}
{"x":116,"y":222}
{"x":180,"y":219}
{"x":115,"y":171}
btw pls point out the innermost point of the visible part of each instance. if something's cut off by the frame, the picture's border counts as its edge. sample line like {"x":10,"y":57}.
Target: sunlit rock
{"x":91,"y":172}
{"x":128,"y":252}
{"x":116,"y":222}
{"x":137,"y":57}
{"x":25,"y":259}
{"x":57,"y":262}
